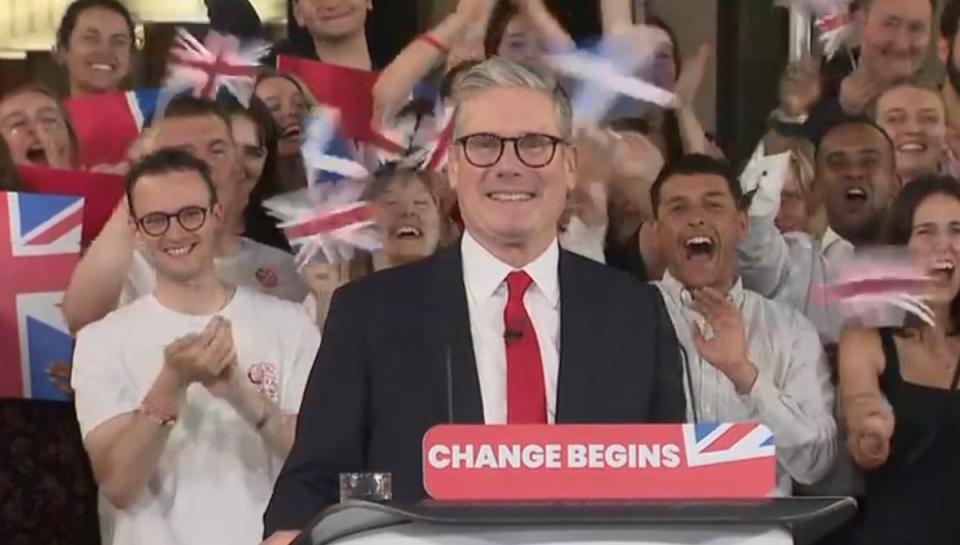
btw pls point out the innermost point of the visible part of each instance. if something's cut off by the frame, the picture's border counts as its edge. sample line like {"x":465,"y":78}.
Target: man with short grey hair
{"x":504,"y":328}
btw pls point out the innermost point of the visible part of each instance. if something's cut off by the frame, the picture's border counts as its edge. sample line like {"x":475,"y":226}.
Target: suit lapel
{"x":579,"y":323}
{"x":456,"y":368}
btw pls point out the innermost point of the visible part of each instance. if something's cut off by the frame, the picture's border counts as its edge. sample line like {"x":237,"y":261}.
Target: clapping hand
{"x":208,"y":358}
{"x":727,"y":349}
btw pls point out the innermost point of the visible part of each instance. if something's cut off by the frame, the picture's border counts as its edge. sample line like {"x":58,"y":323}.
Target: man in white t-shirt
{"x":114,"y":271}
{"x":187,"y":397}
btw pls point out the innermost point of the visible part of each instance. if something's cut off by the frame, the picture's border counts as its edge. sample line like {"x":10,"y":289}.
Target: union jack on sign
{"x":39,"y":247}
{"x":714,"y":443}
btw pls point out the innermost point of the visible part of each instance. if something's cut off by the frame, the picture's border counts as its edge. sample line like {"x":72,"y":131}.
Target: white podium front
{"x":786,"y":521}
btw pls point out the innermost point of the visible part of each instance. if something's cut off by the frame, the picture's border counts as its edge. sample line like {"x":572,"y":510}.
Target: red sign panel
{"x":688,"y":461}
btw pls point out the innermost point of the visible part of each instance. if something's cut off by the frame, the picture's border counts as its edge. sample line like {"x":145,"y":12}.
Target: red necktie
{"x":526,"y":393}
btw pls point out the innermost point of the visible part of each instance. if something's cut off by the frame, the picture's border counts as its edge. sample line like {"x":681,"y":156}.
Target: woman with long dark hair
{"x":256,"y":135}
{"x":95,"y":43}
{"x":898,"y":387}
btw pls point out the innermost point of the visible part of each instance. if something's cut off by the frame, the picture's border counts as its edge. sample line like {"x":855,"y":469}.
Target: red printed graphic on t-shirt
{"x":264,"y":377}
{"x":267,"y":278}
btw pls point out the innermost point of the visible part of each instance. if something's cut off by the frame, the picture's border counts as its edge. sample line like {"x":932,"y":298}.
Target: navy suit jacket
{"x":395,"y":342}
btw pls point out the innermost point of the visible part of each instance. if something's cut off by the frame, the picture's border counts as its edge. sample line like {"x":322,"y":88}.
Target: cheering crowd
{"x":558,"y":266}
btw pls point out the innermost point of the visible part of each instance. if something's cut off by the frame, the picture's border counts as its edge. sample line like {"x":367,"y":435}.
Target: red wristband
{"x":427,"y":38}
{"x":150,"y":411}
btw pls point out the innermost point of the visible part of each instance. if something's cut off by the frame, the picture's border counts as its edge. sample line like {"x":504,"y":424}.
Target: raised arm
{"x":617,"y":16}
{"x":98,"y":279}
{"x":556,"y":37}
{"x":414,"y":63}
{"x":868,"y":417}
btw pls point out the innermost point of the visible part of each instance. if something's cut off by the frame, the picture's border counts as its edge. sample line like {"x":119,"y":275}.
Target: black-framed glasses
{"x":534,"y":150}
{"x":190,"y":218}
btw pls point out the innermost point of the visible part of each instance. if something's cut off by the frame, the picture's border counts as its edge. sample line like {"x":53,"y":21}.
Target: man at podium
{"x":505,"y":328}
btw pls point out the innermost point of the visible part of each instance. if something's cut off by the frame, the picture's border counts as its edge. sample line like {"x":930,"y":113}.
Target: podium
{"x":783,"y":521}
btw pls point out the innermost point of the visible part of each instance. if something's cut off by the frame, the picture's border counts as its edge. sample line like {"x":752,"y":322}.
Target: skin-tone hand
{"x":799,"y":87}
{"x":727,"y":350}
{"x":694,"y":69}
{"x":59,"y":374}
{"x":476,"y":10}
{"x":57,"y":156}
{"x":143,"y":145}
{"x":870,"y":443}
{"x":220,"y":361}
{"x":195,"y":358}
{"x":858,"y":90}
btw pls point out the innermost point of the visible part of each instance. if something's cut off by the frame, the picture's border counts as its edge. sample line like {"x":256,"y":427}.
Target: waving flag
{"x":101,"y":192}
{"x":221,"y":61}
{"x":872,"y":281}
{"x":346,"y":89}
{"x":39,"y":247}
{"x":609,"y":73}
{"x":333,"y":223}
{"x":327,"y":155}
{"x":108,"y":123}
{"x":831,"y":18}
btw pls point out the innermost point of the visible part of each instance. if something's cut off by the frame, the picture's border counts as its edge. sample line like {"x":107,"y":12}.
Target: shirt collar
{"x":830,"y":237}
{"x":483,"y":272}
{"x":676,"y":291}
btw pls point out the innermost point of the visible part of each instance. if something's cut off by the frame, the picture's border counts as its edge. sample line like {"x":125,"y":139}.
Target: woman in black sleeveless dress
{"x":898,"y":387}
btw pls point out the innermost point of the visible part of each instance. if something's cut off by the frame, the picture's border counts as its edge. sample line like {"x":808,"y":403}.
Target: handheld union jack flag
{"x":327,"y":155}
{"x":334,"y":222}
{"x":106,"y":124}
{"x":609,"y":73}
{"x":39,"y":247}
{"x":872,"y":280}
{"x":221,"y":61}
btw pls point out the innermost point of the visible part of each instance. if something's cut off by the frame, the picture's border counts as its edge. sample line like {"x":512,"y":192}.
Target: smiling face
{"x":97,"y":55}
{"x":699,"y":227}
{"x":915,"y":119}
{"x":895,"y":37}
{"x":855,"y":169}
{"x":287,"y":106}
{"x":509,"y":204}
{"x":935,"y":243}
{"x":332,"y":20}
{"x":33,"y":125}
{"x":410,"y":219}
{"x":179,"y":255}
{"x":253,"y":158}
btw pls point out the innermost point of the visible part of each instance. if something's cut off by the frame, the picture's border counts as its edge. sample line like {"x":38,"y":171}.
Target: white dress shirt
{"x":786,"y":267}
{"x":792,"y":394}
{"x":485,"y":279}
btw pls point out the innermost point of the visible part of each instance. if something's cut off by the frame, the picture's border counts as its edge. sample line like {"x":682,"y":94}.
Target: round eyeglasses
{"x":534,"y":150}
{"x":190,"y":218}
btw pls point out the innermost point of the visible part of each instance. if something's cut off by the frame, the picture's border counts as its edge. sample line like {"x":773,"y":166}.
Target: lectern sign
{"x":660,"y":461}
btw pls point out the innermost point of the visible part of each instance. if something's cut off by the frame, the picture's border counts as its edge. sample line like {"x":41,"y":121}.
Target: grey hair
{"x":500,"y":72}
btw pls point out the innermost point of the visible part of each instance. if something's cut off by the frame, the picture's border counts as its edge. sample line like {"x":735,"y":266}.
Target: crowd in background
{"x":190,"y":271}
